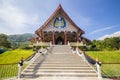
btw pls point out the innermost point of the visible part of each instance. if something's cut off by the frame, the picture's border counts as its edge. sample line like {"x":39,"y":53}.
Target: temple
{"x":59,"y":29}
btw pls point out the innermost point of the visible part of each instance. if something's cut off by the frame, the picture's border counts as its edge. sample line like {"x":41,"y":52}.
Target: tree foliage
{"x":4,"y":43}
{"x":106,"y":44}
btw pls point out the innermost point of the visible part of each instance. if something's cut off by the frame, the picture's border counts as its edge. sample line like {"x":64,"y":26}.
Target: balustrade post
{"x":68,"y":43}
{"x":98,"y":65}
{"x":83,"y":55}
{"x":77,"y":50}
{"x":20,"y":64}
{"x":19,"y":71}
{"x":50,"y":43}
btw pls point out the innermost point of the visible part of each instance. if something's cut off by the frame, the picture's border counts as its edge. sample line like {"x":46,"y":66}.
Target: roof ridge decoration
{"x":59,"y":9}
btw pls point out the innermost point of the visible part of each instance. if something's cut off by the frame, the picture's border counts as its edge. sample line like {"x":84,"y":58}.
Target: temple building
{"x":59,"y":29}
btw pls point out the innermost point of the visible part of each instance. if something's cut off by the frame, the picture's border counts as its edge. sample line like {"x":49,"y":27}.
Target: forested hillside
{"x":15,"y":41}
{"x":20,"y":37}
{"x":20,"y":40}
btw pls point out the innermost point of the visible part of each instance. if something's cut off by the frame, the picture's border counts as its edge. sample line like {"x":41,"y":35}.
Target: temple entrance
{"x":59,"y":38}
{"x":59,"y":41}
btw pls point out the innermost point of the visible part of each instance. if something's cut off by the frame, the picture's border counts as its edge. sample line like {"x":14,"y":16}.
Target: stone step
{"x":71,"y":59}
{"x":65,"y":60}
{"x":64,"y":65}
{"x":61,"y":70}
{"x":61,"y":78}
{"x":80,"y":68}
{"x":61,"y":74}
{"x":56,"y":62}
{"x":69,"y":55}
{"x":64,"y":56}
{"x":61,"y":64}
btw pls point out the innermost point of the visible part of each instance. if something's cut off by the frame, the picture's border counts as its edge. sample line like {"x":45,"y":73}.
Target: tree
{"x":106,"y":44}
{"x":116,"y":41}
{"x":4,"y":43}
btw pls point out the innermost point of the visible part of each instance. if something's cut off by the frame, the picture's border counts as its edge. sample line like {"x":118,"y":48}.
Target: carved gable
{"x":60,"y":23}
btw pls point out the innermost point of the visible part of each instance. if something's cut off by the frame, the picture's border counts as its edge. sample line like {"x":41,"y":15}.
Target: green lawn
{"x":111,"y":70}
{"x":108,"y":70}
{"x":105,"y":56}
{"x":7,"y":68}
{"x":14,"y":56}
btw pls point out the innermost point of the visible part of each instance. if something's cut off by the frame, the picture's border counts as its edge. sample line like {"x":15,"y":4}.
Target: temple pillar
{"x":43,"y":36}
{"x":77,"y":36}
{"x":65,"y":37}
{"x":40,"y":38}
{"x":53,"y":37}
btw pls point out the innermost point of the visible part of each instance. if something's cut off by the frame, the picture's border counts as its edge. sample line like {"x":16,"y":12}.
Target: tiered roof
{"x":56,"y":12}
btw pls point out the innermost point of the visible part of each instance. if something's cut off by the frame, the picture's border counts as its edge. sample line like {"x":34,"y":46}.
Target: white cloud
{"x":13,"y":19}
{"x":115,"y":34}
{"x":103,"y":29}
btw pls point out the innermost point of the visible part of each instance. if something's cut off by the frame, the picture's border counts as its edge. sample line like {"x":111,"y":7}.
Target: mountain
{"x":20,"y":37}
{"x":115,"y":34}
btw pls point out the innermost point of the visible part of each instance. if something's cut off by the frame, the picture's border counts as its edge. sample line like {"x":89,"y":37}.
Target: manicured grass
{"x":111,"y":70}
{"x":7,"y":60}
{"x":9,"y":70}
{"x":105,"y":56}
{"x":108,"y":70}
{"x":14,"y":56}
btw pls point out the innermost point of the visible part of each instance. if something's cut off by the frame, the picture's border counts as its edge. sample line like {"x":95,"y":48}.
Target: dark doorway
{"x":59,"y":41}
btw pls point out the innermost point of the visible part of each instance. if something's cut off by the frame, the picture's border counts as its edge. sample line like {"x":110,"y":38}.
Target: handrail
{"x":30,"y":57}
{"x":39,"y":55}
{"x":80,"y":52}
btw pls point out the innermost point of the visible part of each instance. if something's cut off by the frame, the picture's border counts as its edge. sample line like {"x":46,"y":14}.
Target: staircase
{"x":60,"y":64}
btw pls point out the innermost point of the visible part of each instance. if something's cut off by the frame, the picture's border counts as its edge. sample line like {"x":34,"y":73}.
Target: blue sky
{"x":97,"y":18}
